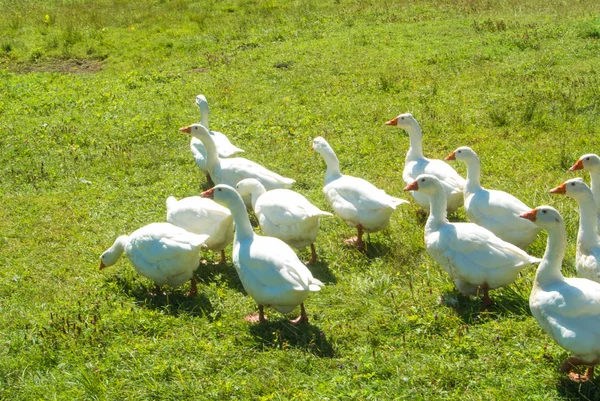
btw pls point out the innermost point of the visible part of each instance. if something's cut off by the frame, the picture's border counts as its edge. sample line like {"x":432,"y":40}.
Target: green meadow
{"x":92,"y":94}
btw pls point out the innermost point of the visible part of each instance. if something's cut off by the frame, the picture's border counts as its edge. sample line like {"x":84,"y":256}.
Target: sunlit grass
{"x":92,"y":94}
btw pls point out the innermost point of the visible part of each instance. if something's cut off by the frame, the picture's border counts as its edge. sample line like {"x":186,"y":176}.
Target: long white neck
{"x":203,"y":106}
{"x":550,"y":267}
{"x":473,"y":174}
{"x":416,"y":141}
{"x":437,"y":212}
{"x":257,"y":191}
{"x":595,"y":185}
{"x":243,"y":228}
{"x":588,"y":220}
{"x":112,"y":254}
{"x":333,"y":164}
{"x":212,"y":156}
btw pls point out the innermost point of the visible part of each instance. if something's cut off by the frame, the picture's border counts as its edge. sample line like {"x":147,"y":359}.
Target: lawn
{"x":92,"y":94}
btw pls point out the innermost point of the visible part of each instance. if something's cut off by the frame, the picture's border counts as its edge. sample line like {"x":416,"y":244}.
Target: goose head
{"x":589,"y":162}
{"x":426,"y":183}
{"x":196,"y":130}
{"x":320,"y":145}
{"x":464,"y":153}
{"x":573,"y":188}
{"x":249,"y":186}
{"x":544,"y":217}
{"x":112,"y":254}
{"x":225,"y":195}
{"x":404,"y":121}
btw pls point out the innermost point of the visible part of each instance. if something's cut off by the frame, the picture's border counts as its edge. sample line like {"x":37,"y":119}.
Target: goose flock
{"x":486,"y":253}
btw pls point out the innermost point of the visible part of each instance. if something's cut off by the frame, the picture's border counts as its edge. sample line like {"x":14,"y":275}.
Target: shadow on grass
{"x":321,"y":271}
{"x":569,"y":390}
{"x":376,"y":249}
{"x":220,"y":273}
{"x":473,"y":311}
{"x":172,"y":302}
{"x":281,"y":334}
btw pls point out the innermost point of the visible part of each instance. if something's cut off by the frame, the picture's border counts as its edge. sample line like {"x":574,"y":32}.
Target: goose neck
{"x":437,"y":212}
{"x":257,"y":192}
{"x":473,"y":174}
{"x":588,"y":221}
{"x":595,"y":186}
{"x":212,"y":157}
{"x":203,"y":106}
{"x":550,"y":267}
{"x":416,"y":141}
{"x":333,"y":165}
{"x":243,"y":228}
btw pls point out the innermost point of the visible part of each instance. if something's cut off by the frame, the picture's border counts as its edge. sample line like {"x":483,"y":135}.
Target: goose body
{"x":358,"y":202}
{"x":162,"y":252}
{"x":224,"y":146}
{"x":472,"y":255}
{"x":498,"y":211}
{"x":567,"y":309}
{"x":284,"y":214}
{"x":232,"y":170}
{"x":416,"y":164}
{"x":268,"y":268}
{"x":203,"y":216}
{"x":587,"y":260}
{"x":591,"y":164}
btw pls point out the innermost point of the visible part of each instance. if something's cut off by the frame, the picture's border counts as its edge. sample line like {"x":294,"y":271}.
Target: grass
{"x":91,"y":96}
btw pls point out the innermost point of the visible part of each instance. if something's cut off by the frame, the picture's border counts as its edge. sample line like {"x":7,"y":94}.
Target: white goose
{"x":498,"y":211}
{"x":224,"y":146}
{"x":587,"y":261}
{"x":284,"y":214}
{"x":567,"y":309}
{"x":233,"y":170}
{"x":358,"y":202}
{"x":203,"y":216}
{"x":162,"y":252}
{"x":472,"y":255}
{"x":270,"y":271}
{"x":416,"y":164}
{"x":591,"y":163}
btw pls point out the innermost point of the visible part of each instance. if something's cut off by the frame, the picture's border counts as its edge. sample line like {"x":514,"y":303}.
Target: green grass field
{"x":92,"y":94}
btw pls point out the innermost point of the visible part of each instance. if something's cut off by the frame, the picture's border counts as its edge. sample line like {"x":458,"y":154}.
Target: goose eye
{"x":459,"y":151}
{"x":422,"y":179}
{"x":402,"y":118}
{"x":572,"y":184}
{"x":587,"y":158}
{"x":219,"y":189}
{"x":544,"y":211}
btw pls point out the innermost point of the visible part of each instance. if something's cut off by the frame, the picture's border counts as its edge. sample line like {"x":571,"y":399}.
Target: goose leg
{"x":157,"y":290}
{"x":313,"y":257}
{"x":257,"y":317}
{"x":486,"y":294}
{"x":357,"y":241}
{"x":223,"y":258}
{"x":303,"y":318}
{"x":194,"y":290}
{"x":574,"y":376}
{"x":209,"y":180}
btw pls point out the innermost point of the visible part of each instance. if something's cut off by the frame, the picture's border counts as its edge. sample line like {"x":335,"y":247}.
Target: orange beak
{"x":209,"y":193}
{"x":577,"y":166}
{"x":102,"y":266}
{"x":451,"y":156}
{"x":187,"y":129}
{"x":312,"y":147}
{"x":393,"y":121}
{"x":561,"y":189}
{"x":530,"y":215}
{"x":414,"y":186}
